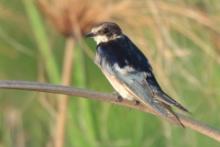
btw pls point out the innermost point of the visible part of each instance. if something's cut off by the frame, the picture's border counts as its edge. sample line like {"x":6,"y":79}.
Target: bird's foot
{"x":137,"y":102}
{"x":119,"y":98}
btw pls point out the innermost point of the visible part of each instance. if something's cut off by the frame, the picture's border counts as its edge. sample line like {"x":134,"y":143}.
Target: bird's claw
{"x":119,"y":98}
{"x":137,"y":102}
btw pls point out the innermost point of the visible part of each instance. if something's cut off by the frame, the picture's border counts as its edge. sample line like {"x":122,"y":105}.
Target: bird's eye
{"x":105,"y":31}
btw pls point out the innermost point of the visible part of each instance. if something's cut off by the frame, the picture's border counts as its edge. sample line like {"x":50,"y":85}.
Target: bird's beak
{"x":90,"y":34}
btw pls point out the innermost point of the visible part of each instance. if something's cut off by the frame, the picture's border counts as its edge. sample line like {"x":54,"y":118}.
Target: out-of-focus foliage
{"x":181,"y":39}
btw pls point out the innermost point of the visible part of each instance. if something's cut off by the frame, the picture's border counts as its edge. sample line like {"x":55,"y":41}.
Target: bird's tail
{"x":171,"y":114}
{"x":169,"y":101}
{"x":164,"y":110}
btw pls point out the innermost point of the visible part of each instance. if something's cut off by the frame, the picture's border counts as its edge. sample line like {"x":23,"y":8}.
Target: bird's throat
{"x":101,"y":38}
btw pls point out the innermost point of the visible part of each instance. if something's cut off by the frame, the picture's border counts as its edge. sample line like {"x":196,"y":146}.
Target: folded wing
{"x":136,"y":83}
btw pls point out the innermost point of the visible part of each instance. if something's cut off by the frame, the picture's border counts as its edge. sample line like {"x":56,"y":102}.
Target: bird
{"x":129,"y":72}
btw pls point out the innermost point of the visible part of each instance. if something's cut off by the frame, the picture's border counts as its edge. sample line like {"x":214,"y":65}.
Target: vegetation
{"x":42,"y":40}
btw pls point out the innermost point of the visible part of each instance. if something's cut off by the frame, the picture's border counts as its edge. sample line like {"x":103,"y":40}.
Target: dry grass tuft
{"x":71,"y":16}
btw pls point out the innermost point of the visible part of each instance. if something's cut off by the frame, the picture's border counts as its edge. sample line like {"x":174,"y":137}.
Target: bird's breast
{"x":120,"y":87}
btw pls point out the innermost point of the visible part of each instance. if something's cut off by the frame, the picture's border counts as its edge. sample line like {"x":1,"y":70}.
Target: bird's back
{"x":123,"y":52}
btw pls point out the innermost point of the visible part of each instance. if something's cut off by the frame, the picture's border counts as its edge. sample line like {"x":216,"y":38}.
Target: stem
{"x":63,"y":99}
{"x":42,"y":40}
{"x":66,"y":90}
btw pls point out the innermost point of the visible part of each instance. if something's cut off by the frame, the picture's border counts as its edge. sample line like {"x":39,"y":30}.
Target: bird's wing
{"x":159,"y":94}
{"x":135,"y":83}
{"x":139,"y":62}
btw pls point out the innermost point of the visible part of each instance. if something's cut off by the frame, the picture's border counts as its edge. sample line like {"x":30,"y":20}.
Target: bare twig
{"x":66,"y":90}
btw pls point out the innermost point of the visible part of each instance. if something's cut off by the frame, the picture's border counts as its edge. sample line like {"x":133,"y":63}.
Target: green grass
{"x":25,"y":119}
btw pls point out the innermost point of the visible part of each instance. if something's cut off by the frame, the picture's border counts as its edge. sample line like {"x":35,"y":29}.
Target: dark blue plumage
{"x":123,"y":52}
{"x":129,"y":71}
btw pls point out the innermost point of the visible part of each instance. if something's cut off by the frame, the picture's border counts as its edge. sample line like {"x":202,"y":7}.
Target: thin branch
{"x":66,"y":90}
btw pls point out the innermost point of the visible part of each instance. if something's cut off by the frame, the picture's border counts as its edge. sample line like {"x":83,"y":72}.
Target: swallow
{"x":129,"y":71}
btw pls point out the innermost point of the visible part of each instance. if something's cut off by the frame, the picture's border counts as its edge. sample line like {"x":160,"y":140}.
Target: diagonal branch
{"x":66,"y":90}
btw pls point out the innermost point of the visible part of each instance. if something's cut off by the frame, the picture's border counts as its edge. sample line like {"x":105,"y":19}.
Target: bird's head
{"x":105,"y":32}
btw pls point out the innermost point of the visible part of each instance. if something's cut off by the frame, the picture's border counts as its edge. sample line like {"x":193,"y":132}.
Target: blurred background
{"x":42,"y":40}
